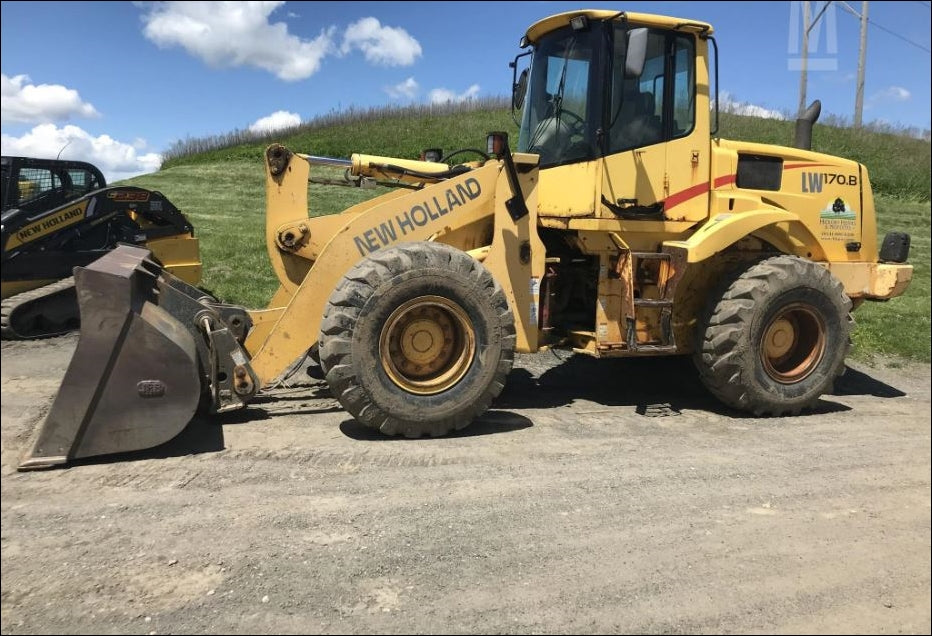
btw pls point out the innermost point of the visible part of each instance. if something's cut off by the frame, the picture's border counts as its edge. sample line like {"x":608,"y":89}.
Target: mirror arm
{"x":514,"y":85}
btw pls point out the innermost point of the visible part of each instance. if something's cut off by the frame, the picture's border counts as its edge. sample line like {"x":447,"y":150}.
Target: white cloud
{"x":23,"y":102}
{"x":382,"y":45}
{"x":892,"y":93}
{"x":444,"y":95}
{"x":727,"y":104}
{"x":276,"y":121}
{"x":404,"y":90}
{"x":887,"y":95}
{"x":229,"y":34}
{"x":117,"y":160}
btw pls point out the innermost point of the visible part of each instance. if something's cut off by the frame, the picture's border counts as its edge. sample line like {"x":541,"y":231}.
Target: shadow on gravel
{"x":854,"y":382}
{"x":201,"y":435}
{"x":311,"y":390}
{"x":490,"y":423}
{"x":655,"y":387}
{"x":303,"y":398}
{"x":659,"y":386}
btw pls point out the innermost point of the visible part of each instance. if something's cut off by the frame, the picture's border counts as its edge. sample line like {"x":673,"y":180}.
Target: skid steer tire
{"x":775,"y":337}
{"x":417,"y":340}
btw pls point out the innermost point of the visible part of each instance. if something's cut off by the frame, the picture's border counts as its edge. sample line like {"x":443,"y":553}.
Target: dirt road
{"x":611,"y":496}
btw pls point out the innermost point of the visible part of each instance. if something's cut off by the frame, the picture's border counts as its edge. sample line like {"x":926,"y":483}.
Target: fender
{"x":723,"y":230}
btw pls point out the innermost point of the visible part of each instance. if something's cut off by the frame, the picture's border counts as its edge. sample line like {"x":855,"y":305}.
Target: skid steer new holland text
{"x":620,"y":226}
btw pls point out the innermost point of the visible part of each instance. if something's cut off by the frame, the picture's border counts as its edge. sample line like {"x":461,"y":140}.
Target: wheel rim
{"x":793,"y":344}
{"x":427,"y":345}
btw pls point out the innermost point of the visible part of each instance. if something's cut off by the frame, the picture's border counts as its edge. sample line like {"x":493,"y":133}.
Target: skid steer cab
{"x":619,"y":225}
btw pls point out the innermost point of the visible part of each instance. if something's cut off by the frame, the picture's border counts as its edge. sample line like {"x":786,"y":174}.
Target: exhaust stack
{"x":804,"y":126}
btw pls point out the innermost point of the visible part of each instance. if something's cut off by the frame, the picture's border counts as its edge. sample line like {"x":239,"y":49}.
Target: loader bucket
{"x":134,"y":380}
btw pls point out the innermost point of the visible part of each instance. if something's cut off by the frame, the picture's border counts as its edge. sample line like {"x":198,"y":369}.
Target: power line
{"x":883,"y":28}
{"x":819,"y":15}
{"x":893,"y":33}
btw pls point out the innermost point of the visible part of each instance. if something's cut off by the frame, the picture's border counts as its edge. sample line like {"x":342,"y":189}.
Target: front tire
{"x":417,"y":340}
{"x":776,"y":338}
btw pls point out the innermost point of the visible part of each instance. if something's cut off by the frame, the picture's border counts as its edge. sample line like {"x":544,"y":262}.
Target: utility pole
{"x":808,"y":24}
{"x":805,"y":55}
{"x":862,"y":55}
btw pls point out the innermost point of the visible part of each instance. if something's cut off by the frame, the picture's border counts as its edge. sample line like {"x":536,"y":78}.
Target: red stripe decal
{"x":685,"y":195}
{"x":694,"y":191}
{"x":728,"y":179}
{"x":699,"y":189}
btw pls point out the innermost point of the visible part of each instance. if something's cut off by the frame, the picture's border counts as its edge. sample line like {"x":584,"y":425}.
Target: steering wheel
{"x":578,"y":124}
{"x":553,"y":137}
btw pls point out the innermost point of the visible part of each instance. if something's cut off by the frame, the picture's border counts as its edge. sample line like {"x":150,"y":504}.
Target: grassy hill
{"x":219,"y":183}
{"x":899,"y":166}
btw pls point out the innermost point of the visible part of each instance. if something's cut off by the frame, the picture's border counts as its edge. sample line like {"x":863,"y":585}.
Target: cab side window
{"x":660,"y":104}
{"x":35,"y":182}
{"x":684,"y":86}
{"x":83,"y":181}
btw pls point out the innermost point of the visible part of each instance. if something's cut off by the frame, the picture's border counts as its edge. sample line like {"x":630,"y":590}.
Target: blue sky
{"x":118,"y":82}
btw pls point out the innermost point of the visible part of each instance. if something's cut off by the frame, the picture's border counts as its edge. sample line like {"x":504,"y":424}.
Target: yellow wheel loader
{"x":621,"y":225}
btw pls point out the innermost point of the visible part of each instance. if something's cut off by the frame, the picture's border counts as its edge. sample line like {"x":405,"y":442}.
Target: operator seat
{"x":637,"y":124}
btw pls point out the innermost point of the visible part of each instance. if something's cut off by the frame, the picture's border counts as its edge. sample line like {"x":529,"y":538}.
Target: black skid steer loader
{"x":58,"y":215}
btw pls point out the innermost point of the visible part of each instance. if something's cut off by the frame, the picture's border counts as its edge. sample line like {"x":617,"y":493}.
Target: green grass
{"x":900,"y":326}
{"x":223,"y":193}
{"x":225,"y":202}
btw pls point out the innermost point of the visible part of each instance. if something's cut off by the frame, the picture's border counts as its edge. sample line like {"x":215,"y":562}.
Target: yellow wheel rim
{"x":427,"y":345}
{"x":793,"y":344}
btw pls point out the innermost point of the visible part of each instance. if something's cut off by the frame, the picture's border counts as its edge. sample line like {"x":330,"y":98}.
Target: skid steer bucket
{"x":135,"y":379}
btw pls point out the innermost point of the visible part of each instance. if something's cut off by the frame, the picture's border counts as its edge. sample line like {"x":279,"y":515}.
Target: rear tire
{"x":776,"y":338}
{"x":417,"y":340}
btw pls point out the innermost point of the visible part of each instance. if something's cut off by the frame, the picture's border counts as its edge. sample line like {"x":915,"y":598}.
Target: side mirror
{"x":636,"y":53}
{"x":518,"y":91}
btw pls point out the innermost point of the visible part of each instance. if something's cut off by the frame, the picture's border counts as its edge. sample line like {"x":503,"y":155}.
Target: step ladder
{"x":664,"y":303}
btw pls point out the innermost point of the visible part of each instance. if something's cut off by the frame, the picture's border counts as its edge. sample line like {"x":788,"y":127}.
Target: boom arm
{"x":438,"y":211}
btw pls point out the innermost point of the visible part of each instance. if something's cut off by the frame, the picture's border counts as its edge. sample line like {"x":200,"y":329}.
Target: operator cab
{"x":599,"y":86}
{"x":35,"y":185}
{"x":617,"y":104}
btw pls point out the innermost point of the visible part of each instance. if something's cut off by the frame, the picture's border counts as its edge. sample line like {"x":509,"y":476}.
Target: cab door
{"x":656,"y":162}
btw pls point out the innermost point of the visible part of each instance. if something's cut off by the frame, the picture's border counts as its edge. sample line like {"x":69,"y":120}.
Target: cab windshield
{"x":556,"y":123}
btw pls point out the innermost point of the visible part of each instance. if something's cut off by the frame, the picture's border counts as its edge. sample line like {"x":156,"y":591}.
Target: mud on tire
{"x":417,"y":340}
{"x":775,"y":336}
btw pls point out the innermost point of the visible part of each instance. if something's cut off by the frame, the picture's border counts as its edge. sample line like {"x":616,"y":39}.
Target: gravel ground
{"x":596,"y":496}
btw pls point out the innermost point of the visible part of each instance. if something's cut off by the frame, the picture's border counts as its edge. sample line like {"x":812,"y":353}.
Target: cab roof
{"x":542,"y":27}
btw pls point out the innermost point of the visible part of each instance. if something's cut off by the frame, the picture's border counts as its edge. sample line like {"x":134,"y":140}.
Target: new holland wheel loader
{"x":621,"y":225}
{"x":58,"y":215}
